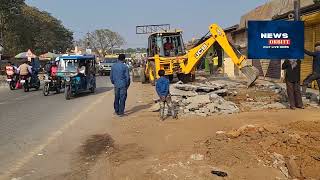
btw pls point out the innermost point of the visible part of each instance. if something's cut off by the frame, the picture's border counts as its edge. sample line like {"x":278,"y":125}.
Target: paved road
{"x":27,"y":119}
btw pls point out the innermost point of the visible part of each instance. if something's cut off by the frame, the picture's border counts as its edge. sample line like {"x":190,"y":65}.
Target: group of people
{"x":292,"y":77}
{"x":120,"y":78}
{"x":25,"y":69}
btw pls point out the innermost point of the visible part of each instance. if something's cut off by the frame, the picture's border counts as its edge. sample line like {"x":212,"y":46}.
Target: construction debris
{"x":224,"y":96}
{"x":203,"y":99}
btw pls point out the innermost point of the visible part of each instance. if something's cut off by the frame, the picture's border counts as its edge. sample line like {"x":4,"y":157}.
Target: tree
{"x":103,"y":41}
{"x":45,"y":33}
{"x":9,"y":12}
{"x":23,"y":27}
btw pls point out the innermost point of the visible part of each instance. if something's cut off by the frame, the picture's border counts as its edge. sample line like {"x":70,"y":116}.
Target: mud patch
{"x":94,"y":148}
{"x":96,"y":145}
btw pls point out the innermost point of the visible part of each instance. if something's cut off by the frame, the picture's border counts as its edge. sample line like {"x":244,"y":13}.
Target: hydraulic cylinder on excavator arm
{"x":218,"y":36}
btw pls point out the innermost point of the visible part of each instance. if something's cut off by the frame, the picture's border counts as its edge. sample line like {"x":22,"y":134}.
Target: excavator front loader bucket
{"x":251,"y":73}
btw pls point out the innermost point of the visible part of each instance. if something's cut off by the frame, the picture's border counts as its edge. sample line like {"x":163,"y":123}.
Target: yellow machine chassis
{"x":186,"y":64}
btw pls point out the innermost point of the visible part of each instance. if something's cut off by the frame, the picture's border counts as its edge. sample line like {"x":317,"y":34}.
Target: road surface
{"x":28,"y":119}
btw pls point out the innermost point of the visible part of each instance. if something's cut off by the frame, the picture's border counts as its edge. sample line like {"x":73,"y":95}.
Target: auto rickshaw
{"x":78,"y":72}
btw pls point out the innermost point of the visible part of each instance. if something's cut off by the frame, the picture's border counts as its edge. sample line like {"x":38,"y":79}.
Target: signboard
{"x":275,"y":40}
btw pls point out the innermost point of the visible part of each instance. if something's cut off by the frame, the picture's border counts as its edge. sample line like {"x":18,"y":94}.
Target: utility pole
{"x":88,"y":49}
{"x":297,"y":10}
{"x":1,"y":33}
{"x":88,"y":40}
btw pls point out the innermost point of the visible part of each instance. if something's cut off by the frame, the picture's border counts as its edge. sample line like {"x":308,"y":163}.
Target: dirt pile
{"x":293,"y":149}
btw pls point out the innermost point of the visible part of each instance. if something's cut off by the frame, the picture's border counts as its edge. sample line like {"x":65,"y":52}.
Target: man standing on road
{"x":120,"y":78}
{"x":316,"y":69}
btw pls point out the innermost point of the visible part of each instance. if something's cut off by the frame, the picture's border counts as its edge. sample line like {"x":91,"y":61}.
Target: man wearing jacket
{"x":120,"y":78}
{"x":316,"y":68}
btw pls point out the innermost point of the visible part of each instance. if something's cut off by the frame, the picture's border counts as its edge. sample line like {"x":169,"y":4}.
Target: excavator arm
{"x":218,"y":35}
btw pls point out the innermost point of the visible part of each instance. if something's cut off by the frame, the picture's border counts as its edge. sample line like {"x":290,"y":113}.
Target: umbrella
{"x":25,"y":55}
{"x":49,"y":55}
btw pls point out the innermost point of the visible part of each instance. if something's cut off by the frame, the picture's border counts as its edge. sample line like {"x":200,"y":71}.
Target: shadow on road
{"x":137,"y":109}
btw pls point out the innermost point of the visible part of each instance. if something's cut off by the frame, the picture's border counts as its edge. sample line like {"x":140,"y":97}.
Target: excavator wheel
{"x":170,"y":77}
{"x":185,"y":78}
{"x":251,"y":73}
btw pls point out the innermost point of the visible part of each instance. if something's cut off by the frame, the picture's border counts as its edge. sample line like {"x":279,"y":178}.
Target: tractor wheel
{"x":170,"y":77}
{"x":67,"y":92}
{"x":185,"y":78}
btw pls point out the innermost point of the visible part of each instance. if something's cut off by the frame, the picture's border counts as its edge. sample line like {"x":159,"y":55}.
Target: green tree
{"x":44,"y":33}
{"x":103,"y":41}
{"x":23,"y":27}
{"x":9,"y":13}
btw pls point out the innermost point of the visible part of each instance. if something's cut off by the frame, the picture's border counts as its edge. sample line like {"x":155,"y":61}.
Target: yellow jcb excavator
{"x":166,"y":51}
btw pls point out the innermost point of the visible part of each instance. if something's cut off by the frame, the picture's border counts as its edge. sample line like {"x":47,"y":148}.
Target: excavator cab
{"x":166,"y":51}
{"x":166,"y":44}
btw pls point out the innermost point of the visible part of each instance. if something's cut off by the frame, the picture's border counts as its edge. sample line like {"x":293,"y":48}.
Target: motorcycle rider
{"x":53,"y":69}
{"x":25,"y":69}
{"x":47,"y":68}
{"x":54,"y":72}
{"x":11,"y":69}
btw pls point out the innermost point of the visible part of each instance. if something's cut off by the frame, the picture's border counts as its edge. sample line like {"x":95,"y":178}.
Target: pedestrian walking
{"x":120,"y":78}
{"x":162,"y":88}
{"x":292,"y":79}
{"x":315,"y":76}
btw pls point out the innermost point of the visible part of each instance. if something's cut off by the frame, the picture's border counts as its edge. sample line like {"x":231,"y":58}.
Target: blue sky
{"x":122,"y":16}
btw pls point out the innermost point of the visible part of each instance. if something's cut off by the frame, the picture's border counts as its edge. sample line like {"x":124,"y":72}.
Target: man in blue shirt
{"x":315,"y":76}
{"x":120,"y":78}
{"x":162,"y":88}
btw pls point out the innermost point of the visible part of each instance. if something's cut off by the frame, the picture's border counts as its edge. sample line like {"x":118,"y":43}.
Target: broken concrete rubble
{"x":199,"y":87}
{"x":178,"y":92}
{"x":227,"y":97}
{"x":202,"y":99}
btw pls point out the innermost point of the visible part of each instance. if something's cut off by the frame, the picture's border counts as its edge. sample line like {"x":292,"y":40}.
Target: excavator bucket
{"x":251,"y":73}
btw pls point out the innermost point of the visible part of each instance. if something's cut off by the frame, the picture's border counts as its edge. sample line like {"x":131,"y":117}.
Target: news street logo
{"x":276,"y":40}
